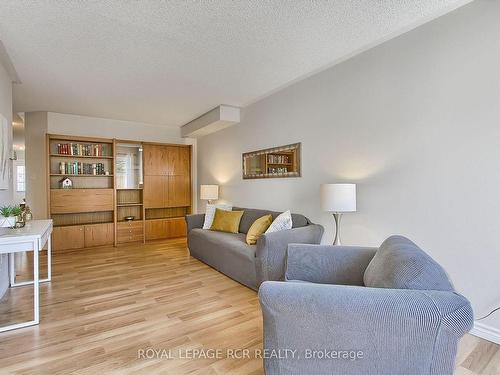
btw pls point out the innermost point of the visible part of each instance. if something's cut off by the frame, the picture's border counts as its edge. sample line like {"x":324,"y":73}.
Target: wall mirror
{"x":276,"y":162}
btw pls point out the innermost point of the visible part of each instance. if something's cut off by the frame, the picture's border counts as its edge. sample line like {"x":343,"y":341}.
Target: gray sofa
{"x":395,"y":305}
{"x":249,"y":264}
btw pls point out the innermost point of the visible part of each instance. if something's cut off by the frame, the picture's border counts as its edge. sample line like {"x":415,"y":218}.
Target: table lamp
{"x":337,"y":199}
{"x":209,"y":192}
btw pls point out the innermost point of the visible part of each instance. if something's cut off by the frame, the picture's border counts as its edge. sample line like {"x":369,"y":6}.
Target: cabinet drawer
{"x":122,"y":238}
{"x":66,"y":238}
{"x":129,"y":231}
{"x":129,"y":224}
{"x":65,"y":201}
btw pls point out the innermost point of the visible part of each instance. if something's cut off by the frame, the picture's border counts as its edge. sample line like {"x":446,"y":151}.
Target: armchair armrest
{"x":326,"y":264}
{"x":194,"y":221}
{"x":397,"y":331}
{"x":271,"y":250}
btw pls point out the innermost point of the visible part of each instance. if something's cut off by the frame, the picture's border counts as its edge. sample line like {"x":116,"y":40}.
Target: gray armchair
{"x":365,"y":311}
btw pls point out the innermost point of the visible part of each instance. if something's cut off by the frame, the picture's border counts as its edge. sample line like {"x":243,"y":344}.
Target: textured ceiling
{"x":166,"y":62}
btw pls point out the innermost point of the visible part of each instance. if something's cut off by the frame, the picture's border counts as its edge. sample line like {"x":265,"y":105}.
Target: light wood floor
{"x":104,"y":305}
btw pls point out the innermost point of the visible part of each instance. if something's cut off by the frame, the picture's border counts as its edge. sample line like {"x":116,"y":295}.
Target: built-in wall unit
{"x":106,"y":191}
{"x":167,"y":190}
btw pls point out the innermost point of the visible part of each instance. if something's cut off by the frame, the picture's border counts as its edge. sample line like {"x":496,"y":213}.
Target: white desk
{"x":33,"y":237}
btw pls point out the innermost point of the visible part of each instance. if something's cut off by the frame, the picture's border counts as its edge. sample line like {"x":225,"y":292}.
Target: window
{"x":20,"y":178}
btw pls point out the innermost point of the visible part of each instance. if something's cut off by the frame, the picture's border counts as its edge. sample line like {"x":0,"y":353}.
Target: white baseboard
{"x":486,"y":332}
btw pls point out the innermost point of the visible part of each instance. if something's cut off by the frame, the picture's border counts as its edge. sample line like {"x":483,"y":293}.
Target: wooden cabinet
{"x":178,"y":161}
{"x":167,"y":191}
{"x":179,"y":191}
{"x":67,"y":238}
{"x":130,"y":231}
{"x":165,"y":228}
{"x":80,"y":236}
{"x":155,"y":191}
{"x":176,"y":227}
{"x":65,"y":201}
{"x":163,"y":160}
{"x":99,"y":234}
{"x":155,"y":160}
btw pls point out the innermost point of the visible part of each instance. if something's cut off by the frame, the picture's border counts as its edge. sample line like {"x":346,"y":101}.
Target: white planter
{"x":8,"y":222}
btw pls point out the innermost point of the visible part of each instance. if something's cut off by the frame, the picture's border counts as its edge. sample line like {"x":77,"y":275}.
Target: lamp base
{"x":338,"y":217}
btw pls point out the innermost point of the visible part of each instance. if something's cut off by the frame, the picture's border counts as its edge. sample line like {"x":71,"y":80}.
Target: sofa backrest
{"x":252,"y":214}
{"x":400,"y":264}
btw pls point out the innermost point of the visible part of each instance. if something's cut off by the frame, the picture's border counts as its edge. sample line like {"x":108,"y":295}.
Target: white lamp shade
{"x":209,"y":192}
{"x":338,"y":197}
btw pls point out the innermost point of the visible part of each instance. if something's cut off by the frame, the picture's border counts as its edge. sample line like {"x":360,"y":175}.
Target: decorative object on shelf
{"x":66,"y":183}
{"x":338,"y":199}
{"x":283,"y":161}
{"x":9,"y":216}
{"x":129,"y":218}
{"x":209,"y":192}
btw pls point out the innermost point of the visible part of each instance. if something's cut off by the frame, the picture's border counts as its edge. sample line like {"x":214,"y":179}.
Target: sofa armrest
{"x":326,"y":264}
{"x":397,"y":331}
{"x":194,"y":221}
{"x":271,"y":250}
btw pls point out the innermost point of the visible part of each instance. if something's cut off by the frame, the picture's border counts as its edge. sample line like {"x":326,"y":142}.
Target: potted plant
{"x":9,"y":215}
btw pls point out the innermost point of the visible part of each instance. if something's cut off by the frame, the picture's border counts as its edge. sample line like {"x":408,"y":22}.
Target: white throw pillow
{"x":210,"y":213}
{"x":282,"y":222}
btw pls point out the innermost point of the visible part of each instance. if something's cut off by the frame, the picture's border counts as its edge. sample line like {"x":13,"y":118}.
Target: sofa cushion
{"x":252,"y":214}
{"x":400,"y":264}
{"x":226,"y":221}
{"x":258,"y":228}
{"x":211,"y":241}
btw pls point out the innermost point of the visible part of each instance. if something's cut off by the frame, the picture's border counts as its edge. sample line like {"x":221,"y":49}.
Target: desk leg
{"x":12,"y":269}
{"x":36,"y":283}
{"x":49,"y":258}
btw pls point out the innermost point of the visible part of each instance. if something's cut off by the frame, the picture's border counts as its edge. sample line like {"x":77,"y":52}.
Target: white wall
{"x":415,"y":123}
{"x":5,"y":195}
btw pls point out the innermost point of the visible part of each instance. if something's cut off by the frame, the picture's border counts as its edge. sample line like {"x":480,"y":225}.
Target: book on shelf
{"x":279,"y":170}
{"x":278,"y":159}
{"x":76,"y":168}
{"x":80,"y":149}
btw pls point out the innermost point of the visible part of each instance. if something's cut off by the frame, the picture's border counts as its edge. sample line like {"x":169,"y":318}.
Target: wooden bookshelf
{"x":155,"y":190}
{"x":83,"y":215}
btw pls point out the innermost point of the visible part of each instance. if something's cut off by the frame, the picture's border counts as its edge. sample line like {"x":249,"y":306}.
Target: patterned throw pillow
{"x":210,"y":213}
{"x":282,"y":222}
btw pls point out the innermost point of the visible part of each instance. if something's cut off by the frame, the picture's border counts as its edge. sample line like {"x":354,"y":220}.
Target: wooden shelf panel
{"x":80,"y":175}
{"x":80,"y":156}
{"x":128,"y":204}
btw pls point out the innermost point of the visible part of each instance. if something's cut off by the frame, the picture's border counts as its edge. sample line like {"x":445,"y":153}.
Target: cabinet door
{"x":63,"y":201}
{"x":156,"y":229}
{"x":99,"y":234}
{"x":178,"y":160}
{"x":155,"y":160}
{"x":179,"y":192}
{"x":176,"y":227}
{"x":155,"y":191}
{"x":66,"y":238}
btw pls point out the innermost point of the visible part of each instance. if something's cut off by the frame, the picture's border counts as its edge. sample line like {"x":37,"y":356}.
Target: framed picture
{"x":4,"y":153}
{"x":276,"y":162}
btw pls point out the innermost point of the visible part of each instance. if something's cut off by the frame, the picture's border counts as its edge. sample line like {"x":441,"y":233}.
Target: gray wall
{"x":5,"y":195}
{"x":415,"y":122}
